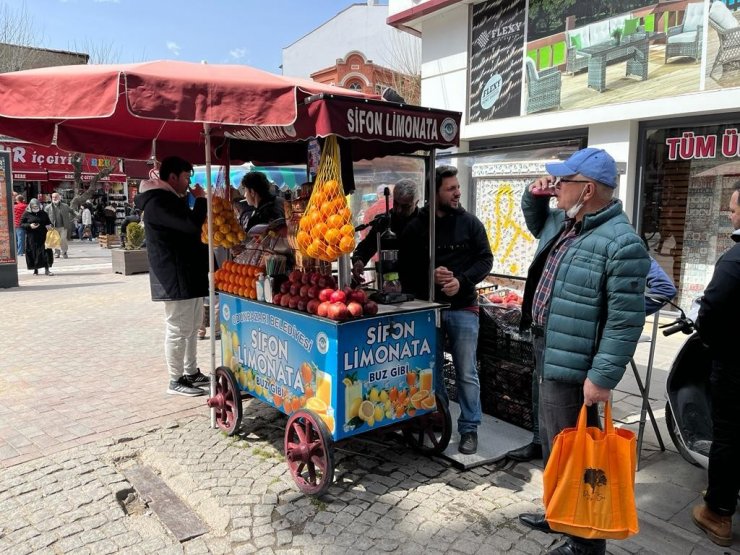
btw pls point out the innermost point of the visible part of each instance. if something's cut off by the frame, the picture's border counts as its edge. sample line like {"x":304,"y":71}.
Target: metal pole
{"x":211,"y":269}
{"x":432,"y":204}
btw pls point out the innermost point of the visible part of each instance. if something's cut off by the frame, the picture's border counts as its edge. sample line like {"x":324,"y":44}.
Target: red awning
{"x":30,"y":175}
{"x":86,"y":176}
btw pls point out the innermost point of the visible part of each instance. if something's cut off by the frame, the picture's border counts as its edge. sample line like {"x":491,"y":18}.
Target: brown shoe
{"x":718,"y":528}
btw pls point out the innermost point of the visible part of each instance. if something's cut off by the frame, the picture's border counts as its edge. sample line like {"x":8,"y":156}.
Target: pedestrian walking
{"x":20,"y":234}
{"x":36,"y":223}
{"x":61,"y":216}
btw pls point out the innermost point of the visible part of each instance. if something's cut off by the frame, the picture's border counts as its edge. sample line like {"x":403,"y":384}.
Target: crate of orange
{"x":332,"y":379}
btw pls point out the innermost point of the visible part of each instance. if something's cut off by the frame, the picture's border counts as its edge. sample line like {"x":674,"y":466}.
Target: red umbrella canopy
{"x":119,"y":110}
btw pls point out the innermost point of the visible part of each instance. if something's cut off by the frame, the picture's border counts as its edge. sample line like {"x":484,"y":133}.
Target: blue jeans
{"x":460,"y":327}
{"x":20,"y":241}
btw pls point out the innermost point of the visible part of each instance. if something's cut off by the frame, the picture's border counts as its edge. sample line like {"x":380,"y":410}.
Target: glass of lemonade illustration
{"x":323,"y":387}
{"x":425,"y":380}
{"x":352,"y":400}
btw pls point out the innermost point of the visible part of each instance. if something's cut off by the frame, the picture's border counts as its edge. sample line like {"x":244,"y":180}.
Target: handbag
{"x":53,"y":239}
{"x":589,"y":481}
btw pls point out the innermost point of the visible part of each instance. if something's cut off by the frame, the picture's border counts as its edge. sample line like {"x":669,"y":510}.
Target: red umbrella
{"x":119,"y":110}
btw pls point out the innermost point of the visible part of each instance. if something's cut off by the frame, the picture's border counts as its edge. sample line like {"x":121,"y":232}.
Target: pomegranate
{"x":323,"y":309}
{"x":325,"y":294}
{"x":355,"y":309}
{"x":312,"y":306}
{"x":338,"y":311}
{"x":371,"y":308}
{"x":276,"y":298}
{"x":338,"y":297}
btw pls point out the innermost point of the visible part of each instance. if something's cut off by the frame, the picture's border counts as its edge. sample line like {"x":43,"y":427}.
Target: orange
{"x":218,"y":236}
{"x":428,"y":402}
{"x":332,"y":236}
{"x":308,"y":391}
{"x":314,"y":217}
{"x":347,"y":244}
{"x":316,"y":404}
{"x":347,"y":229}
{"x":334,"y":221}
{"x":319,"y":230}
{"x":313,"y":249}
{"x":318,"y":198}
{"x":345,"y":213}
{"x":296,"y":403}
{"x":327,"y":209}
{"x":287,"y":405}
{"x":305,"y":223}
{"x":339,"y":203}
{"x":330,"y":187}
{"x":306,"y":373}
{"x":303,"y":239}
{"x":231,"y":237}
{"x":332,"y":253}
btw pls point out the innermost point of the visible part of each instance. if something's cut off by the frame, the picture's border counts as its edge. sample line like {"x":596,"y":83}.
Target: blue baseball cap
{"x":594,"y":163}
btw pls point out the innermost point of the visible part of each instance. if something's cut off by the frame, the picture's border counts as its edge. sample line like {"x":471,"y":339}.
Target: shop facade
{"x":669,"y":117}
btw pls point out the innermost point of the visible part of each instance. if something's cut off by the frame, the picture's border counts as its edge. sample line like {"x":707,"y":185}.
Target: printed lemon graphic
{"x":383,"y":396}
{"x":374,"y":396}
{"x":378,"y":414}
{"x":317,"y":405}
{"x":258,"y":390}
{"x":370,"y":421}
{"x":354,"y":408}
{"x":428,"y":402}
{"x":366,"y":412}
{"x":389,"y":414}
{"x":347,"y":382}
{"x":418,"y":397}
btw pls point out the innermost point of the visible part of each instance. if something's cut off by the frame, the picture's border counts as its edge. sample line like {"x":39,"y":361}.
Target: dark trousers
{"x":724,"y":455}
{"x":559,"y":406}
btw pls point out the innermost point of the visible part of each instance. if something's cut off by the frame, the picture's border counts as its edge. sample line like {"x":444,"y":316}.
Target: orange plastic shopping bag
{"x":589,"y":481}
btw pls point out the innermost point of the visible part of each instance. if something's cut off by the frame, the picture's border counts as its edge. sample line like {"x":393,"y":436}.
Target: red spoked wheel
{"x":308,"y":450}
{"x":227,"y":401}
{"x":430,"y":433}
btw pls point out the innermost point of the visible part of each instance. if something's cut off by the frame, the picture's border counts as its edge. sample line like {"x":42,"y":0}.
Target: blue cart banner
{"x":356,"y":376}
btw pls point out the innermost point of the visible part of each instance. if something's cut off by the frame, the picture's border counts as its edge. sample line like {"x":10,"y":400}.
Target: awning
{"x":87,"y":176}
{"x":30,"y":175}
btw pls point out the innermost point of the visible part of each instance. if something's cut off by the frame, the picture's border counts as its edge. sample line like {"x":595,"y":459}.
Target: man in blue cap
{"x":583,"y":300}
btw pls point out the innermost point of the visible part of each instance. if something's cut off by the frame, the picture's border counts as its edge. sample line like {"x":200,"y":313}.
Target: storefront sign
{"x":690,"y":146}
{"x":36,"y":160}
{"x":496,"y":59}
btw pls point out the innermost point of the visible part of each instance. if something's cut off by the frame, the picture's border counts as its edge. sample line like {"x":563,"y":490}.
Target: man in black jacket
{"x":717,"y":324}
{"x":178,"y":267}
{"x":405,"y":197}
{"x":462,"y":259}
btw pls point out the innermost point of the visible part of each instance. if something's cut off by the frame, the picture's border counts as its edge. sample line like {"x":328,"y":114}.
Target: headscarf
{"x":34,"y":203}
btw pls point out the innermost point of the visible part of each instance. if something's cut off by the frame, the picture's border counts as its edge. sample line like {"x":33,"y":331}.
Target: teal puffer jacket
{"x":597,"y":308}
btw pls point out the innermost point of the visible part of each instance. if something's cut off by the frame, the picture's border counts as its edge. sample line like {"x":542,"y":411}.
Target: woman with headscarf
{"x":36,"y":222}
{"x":267,"y":207}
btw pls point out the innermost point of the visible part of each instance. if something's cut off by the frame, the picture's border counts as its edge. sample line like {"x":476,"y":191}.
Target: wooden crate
{"x":109,"y":241}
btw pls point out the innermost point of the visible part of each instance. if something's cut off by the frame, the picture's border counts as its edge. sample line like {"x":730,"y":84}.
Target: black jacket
{"x":369,"y":245}
{"x":720,"y":306}
{"x":178,"y":260}
{"x":461,"y":246}
{"x":270,"y":209}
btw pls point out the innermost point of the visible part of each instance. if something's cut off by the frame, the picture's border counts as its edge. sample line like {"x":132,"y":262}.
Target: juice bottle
{"x":323,"y":387}
{"x":425,"y":380}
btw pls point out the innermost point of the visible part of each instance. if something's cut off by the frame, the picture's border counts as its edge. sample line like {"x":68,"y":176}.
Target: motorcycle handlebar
{"x":673,"y":328}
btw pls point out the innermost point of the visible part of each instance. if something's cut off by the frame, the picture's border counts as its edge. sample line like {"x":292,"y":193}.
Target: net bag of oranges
{"x":325,"y":230}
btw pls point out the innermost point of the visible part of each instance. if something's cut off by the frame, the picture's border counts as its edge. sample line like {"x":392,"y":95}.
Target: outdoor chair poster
{"x":539,"y":56}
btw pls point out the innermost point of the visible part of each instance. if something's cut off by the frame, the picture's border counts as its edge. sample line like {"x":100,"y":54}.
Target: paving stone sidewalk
{"x":84,"y":359}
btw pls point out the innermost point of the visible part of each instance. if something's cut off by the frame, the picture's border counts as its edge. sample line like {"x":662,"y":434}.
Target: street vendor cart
{"x":341,"y":378}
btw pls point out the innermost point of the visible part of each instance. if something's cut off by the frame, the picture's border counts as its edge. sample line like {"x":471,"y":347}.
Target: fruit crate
{"x":505,"y":377}
{"x":109,"y":241}
{"x":512,"y":410}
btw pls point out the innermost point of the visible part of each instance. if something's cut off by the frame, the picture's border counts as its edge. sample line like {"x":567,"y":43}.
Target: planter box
{"x":109,"y":241}
{"x":129,"y":262}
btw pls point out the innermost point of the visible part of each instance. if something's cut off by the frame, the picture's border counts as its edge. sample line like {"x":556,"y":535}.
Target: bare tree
{"x":402,"y":55}
{"x":80,"y":196}
{"x":17,"y":35}
{"x":100,"y":52}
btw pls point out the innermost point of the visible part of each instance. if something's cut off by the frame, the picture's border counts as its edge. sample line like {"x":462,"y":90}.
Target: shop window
{"x":688,"y":177}
{"x":496,"y":181}
{"x":355,"y":86}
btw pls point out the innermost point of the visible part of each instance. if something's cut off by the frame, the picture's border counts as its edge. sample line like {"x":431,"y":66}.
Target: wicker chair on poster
{"x":723,"y":21}
{"x":685,"y":39}
{"x":543,"y":88}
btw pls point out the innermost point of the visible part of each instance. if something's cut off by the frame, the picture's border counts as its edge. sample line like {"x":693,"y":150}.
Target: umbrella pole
{"x":211,"y":269}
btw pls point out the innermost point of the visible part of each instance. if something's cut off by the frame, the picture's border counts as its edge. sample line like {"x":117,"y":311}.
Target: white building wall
{"x":360,"y":27}
{"x":613,"y":127}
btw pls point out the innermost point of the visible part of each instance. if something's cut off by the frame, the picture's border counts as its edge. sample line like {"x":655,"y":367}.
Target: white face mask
{"x":573,"y":211}
{"x":35,"y":209}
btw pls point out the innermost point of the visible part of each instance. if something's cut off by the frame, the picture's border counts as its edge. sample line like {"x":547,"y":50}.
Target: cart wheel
{"x":430,"y":433}
{"x":227,"y":401}
{"x":308,"y":450}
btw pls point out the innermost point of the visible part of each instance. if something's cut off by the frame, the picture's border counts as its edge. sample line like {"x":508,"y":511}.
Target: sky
{"x":250,"y":32}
